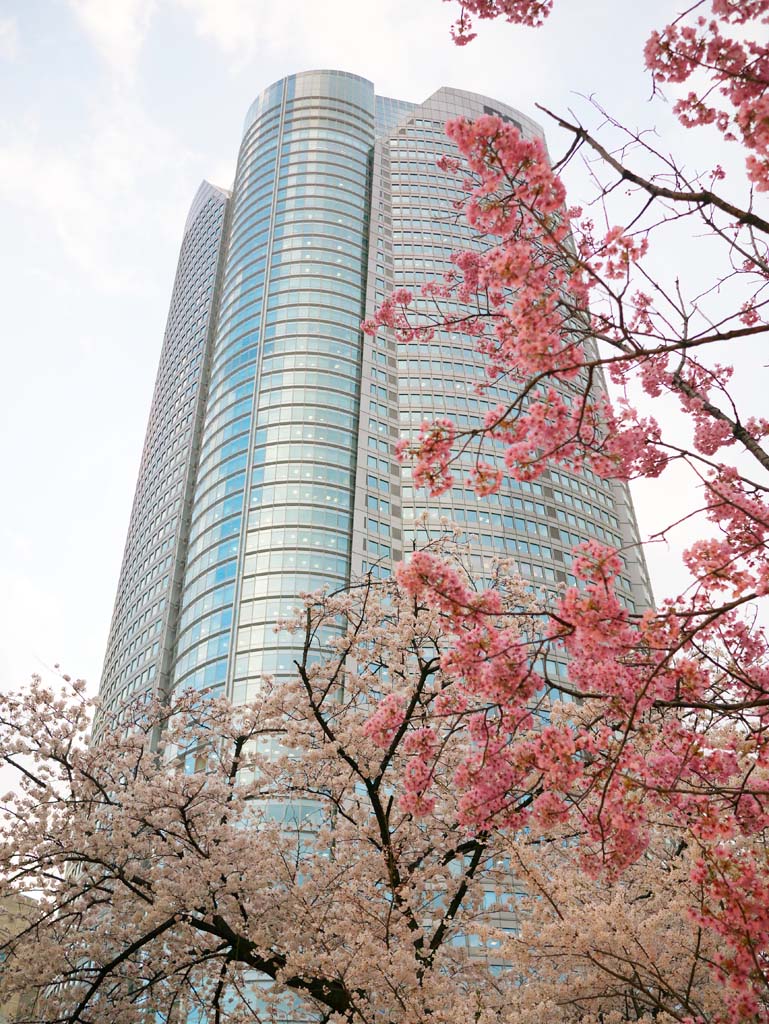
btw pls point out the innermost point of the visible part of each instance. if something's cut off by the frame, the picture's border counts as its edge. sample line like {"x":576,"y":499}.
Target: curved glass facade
{"x":272,"y":511}
{"x":268,"y":467}
{"x":142,"y":636}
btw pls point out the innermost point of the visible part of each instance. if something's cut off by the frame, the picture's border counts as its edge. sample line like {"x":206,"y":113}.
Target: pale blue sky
{"x":111,"y":112}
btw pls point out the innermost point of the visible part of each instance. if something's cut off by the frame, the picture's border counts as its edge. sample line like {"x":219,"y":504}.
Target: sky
{"x":111,"y":113}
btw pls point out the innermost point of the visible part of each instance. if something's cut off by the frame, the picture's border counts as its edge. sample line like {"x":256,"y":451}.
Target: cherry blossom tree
{"x":257,"y":864}
{"x":667,"y":740}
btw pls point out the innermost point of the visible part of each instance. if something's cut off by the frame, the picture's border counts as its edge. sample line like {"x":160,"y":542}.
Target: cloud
{"x":235,"y":26}
{"x":241,"y":28}
{"x":95,"y":193}
{"x":117,"y":29}
{"x":332,"y":30}
{"x":402,"y":45}
{"x":412,"y":56}
{"x":9,"y":39}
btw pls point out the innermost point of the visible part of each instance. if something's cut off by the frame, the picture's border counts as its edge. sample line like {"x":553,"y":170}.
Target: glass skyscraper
{"x":268,"y":463}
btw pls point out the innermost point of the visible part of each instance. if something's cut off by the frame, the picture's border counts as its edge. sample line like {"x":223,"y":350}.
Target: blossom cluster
{"x":737,"y":68}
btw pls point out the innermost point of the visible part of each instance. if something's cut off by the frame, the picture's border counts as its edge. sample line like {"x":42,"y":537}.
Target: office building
{"x":268,"y":464}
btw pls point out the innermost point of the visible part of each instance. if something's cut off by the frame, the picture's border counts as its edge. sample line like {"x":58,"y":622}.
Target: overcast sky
{"x":111,"y":112}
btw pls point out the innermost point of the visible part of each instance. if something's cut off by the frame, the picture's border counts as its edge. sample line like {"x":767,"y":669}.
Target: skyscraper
{"x":268,"y":462}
